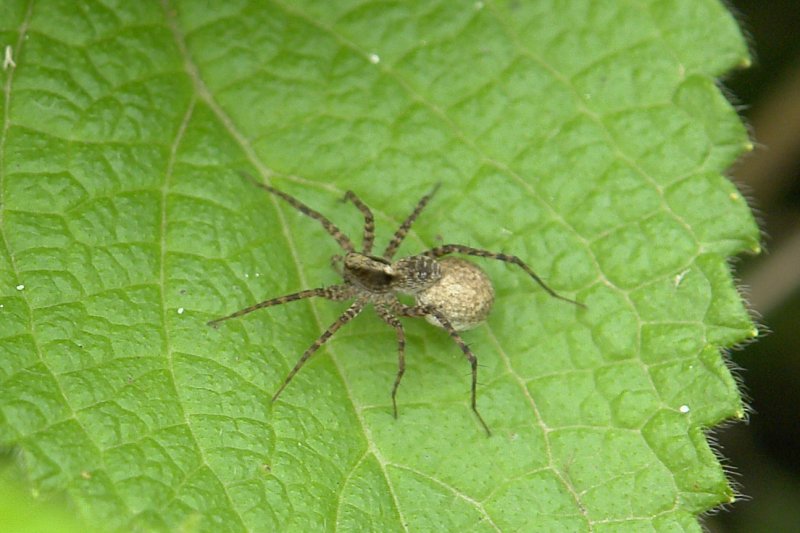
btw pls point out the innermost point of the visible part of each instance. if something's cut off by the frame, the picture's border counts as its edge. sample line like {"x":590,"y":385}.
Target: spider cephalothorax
{"x":378,"y":275}
{"x":451,"y":293}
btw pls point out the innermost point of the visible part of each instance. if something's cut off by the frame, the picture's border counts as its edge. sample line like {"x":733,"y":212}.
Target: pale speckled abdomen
{"x":464,"y":294}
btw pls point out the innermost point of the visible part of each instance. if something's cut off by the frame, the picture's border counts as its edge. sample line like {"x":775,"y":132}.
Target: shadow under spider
{"x":377,"y":280}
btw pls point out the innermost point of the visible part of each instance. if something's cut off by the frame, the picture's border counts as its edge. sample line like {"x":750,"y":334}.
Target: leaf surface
{"x":588,"y":138}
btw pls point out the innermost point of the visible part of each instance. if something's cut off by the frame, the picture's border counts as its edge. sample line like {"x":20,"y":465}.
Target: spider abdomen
{"x":416,"y":274}
{"x":464,"y":294}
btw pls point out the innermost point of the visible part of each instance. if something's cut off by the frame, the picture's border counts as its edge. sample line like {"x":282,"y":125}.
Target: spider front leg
{"x":369,"y":221}
{"x":346,"y":317}
{"x":402,"y":231}
{"x":332,"y":229}
{"x":334,"y":292}
{"x":336,"y":263}
{"x":427,"y":310}
{"x":392,"y":320}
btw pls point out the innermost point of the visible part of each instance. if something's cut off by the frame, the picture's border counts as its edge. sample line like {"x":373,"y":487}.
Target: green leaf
{"x":588,"y":138}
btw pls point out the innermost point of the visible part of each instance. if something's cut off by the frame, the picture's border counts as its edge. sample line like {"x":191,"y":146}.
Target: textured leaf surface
{"x":587,"y":137}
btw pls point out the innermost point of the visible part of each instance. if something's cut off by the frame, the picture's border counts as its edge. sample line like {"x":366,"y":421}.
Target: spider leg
{"x":407,"y":310}
{"x":369,"y":221}
{"x":334,"y":292}
{"x":446,"y":249}
{"x":346,"y":317}
{"x":392,"y":320}
{"x":329,"y":226}
{"x":336,"y":263}
{"x":402,"y":231}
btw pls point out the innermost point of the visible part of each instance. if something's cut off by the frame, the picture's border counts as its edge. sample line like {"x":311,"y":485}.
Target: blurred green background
{"x":764,"y":454}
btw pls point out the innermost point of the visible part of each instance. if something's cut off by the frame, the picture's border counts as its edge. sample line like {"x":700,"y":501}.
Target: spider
{"x":451,"y":293}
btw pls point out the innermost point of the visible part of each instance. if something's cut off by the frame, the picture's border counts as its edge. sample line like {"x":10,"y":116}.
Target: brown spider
{"x":377,"y":280}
